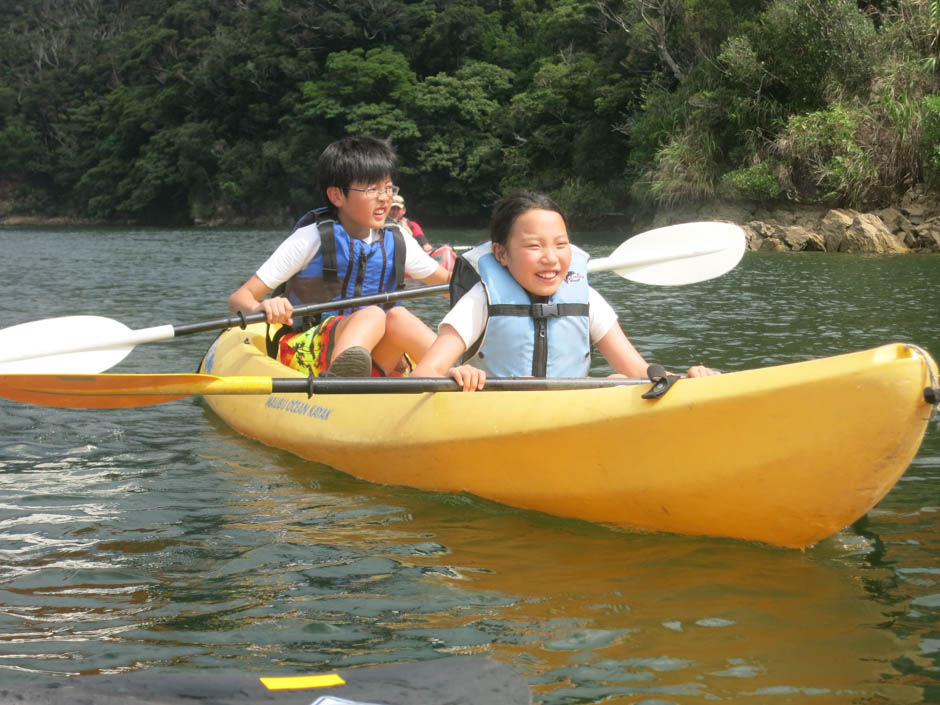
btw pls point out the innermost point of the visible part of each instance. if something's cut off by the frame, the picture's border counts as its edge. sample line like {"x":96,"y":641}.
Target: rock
{"x":833,"y":227}
{"x":911,"y":224}
{"x":895,"y":221}
{"x":917,"y":212}
{"x":754,"y":237}
{"x":772,"y":244}
{"x":920,"y":204}
{"x":799,"y":239}
{"x":854,"y":232}
{"x":869,"y":234}
{"x":927,"y":236}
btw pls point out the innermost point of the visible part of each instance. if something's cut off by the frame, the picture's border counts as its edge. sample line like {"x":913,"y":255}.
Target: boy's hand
{"x":469,"y":377}
{"x":278,"y":310}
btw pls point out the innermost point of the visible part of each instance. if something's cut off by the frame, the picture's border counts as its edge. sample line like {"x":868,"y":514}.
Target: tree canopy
{"x":200,"y":111}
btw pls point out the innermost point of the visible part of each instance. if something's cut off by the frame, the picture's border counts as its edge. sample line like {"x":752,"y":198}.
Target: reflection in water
{"x":575,"y":604}
{"x":158,"y":537}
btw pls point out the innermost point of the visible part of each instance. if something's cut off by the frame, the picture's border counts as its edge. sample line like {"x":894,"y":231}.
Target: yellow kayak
{"x":786,"y":455}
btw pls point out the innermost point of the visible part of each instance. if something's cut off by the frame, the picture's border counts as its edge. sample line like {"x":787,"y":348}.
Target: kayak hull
{"x":785,"y":455}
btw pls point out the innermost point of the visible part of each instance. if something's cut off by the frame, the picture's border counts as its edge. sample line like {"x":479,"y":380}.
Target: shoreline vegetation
{"x":771,"y":114}
{"x":910,"y":226}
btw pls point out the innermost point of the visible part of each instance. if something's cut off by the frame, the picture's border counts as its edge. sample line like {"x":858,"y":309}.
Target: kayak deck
{"x":786,"y":455}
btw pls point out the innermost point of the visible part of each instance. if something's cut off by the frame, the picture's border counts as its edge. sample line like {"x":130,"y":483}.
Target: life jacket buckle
{"x":544,"y":310}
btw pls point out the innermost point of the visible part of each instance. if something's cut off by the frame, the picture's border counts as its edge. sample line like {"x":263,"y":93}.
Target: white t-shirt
{"x":296,"y":251}
{"x":469,"y":315}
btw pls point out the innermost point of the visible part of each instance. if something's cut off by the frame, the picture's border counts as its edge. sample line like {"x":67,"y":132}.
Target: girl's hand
{"x":278,"y":310}
{"x":469,"y":377}
{"x":701,"y":371}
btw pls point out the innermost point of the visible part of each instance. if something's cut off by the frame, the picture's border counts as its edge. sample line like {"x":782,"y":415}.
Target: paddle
{"x":674,"y":255}
{"x":94,"y":343}
{"x":120,"y":391}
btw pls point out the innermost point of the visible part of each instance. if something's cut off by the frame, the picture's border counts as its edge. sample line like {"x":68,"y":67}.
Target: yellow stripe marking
{"x":302,"y":682}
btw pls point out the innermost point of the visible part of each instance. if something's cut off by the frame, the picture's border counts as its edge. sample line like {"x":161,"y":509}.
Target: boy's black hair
{"x":357,"y":158}
{"x":510,"y":207}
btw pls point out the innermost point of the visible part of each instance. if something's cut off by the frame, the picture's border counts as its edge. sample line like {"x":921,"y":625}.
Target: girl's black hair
{"x":510,"y":207}
{"x":357,"y":158}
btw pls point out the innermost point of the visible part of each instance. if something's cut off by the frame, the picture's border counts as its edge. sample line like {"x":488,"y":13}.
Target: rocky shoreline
{"x":913,"y":225}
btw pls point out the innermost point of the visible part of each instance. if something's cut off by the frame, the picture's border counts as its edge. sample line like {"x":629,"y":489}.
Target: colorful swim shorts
{"x":312,"y":350}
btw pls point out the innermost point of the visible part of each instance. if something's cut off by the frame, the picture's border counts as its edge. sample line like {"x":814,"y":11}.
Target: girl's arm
{"x":620,"y":353}
{"x":624,"y":358}
{"x":438,"y":361}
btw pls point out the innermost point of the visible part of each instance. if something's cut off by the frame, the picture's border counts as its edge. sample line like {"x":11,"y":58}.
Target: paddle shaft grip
{"x":241,"y":320}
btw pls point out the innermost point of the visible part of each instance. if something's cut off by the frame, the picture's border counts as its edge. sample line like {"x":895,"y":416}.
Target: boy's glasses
{"x":373,"y":192}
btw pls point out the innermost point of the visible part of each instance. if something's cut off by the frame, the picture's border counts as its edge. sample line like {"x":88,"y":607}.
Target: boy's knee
{"x":398,"y":316}
{"x":369,"y":321}
{"x":370,"y":314}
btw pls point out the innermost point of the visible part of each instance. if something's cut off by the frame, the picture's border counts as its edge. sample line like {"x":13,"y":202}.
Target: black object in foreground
{"x":458,"y":680}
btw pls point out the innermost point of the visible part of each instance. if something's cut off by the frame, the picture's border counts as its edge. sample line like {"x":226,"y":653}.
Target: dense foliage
{"x":179,"y":111}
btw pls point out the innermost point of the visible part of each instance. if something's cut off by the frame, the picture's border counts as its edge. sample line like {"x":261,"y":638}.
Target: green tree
{"x":206,"y":111}
{"x":362,"y":92}
{"x":457,"y":158}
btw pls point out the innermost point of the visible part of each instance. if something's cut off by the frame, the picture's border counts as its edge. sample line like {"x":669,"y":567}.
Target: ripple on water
{"x":159,"y":537}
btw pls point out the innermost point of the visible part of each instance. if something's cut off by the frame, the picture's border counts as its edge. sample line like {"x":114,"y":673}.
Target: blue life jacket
{"x":525,"y":336}
{"x":345,"y":267}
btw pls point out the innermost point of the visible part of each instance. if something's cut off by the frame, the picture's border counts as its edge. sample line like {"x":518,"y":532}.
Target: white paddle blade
{"x":677,"y":254}
{"x":54,"y":345}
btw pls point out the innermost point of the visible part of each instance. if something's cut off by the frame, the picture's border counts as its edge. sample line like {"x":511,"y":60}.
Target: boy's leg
{"x":363,"y":328}
{"x":404,"y":333}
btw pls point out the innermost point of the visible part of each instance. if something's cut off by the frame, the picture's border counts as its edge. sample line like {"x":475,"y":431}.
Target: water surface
{"x":159,"y":538}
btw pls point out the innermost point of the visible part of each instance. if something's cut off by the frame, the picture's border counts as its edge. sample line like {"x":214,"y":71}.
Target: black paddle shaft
{"x":241,"y":320}
{"x":417,"y":385}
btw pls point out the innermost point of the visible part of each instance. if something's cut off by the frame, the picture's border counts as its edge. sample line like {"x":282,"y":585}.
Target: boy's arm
{"x":439,"y":276}
{"x":290,"y":257}
{"x":421,"y":266}
{"x":249,"y":298}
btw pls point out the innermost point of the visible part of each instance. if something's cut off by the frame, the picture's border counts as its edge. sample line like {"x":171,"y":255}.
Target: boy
{"x":363,"y":257}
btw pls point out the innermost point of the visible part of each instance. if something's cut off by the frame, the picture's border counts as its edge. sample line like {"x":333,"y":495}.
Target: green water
{"x":159,"y":538}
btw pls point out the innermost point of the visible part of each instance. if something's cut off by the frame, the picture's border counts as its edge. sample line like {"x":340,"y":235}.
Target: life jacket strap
{"x":272,"y":342}
{"x":539,"y":310}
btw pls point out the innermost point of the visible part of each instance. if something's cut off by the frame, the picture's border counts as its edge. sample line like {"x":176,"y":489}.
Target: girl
{"x":532,"y":312}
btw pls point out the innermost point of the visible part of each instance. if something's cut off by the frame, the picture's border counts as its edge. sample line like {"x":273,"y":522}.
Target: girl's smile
{"x":537,"y":253}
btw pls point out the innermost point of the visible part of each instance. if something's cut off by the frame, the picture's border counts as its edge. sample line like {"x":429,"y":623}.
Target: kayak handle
{"x":662,"y":381}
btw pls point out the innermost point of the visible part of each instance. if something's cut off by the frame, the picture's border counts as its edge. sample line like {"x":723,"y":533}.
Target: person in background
{"x":348,"y":252}
{"x":529,"y":262}
{"x":409,"y":226}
